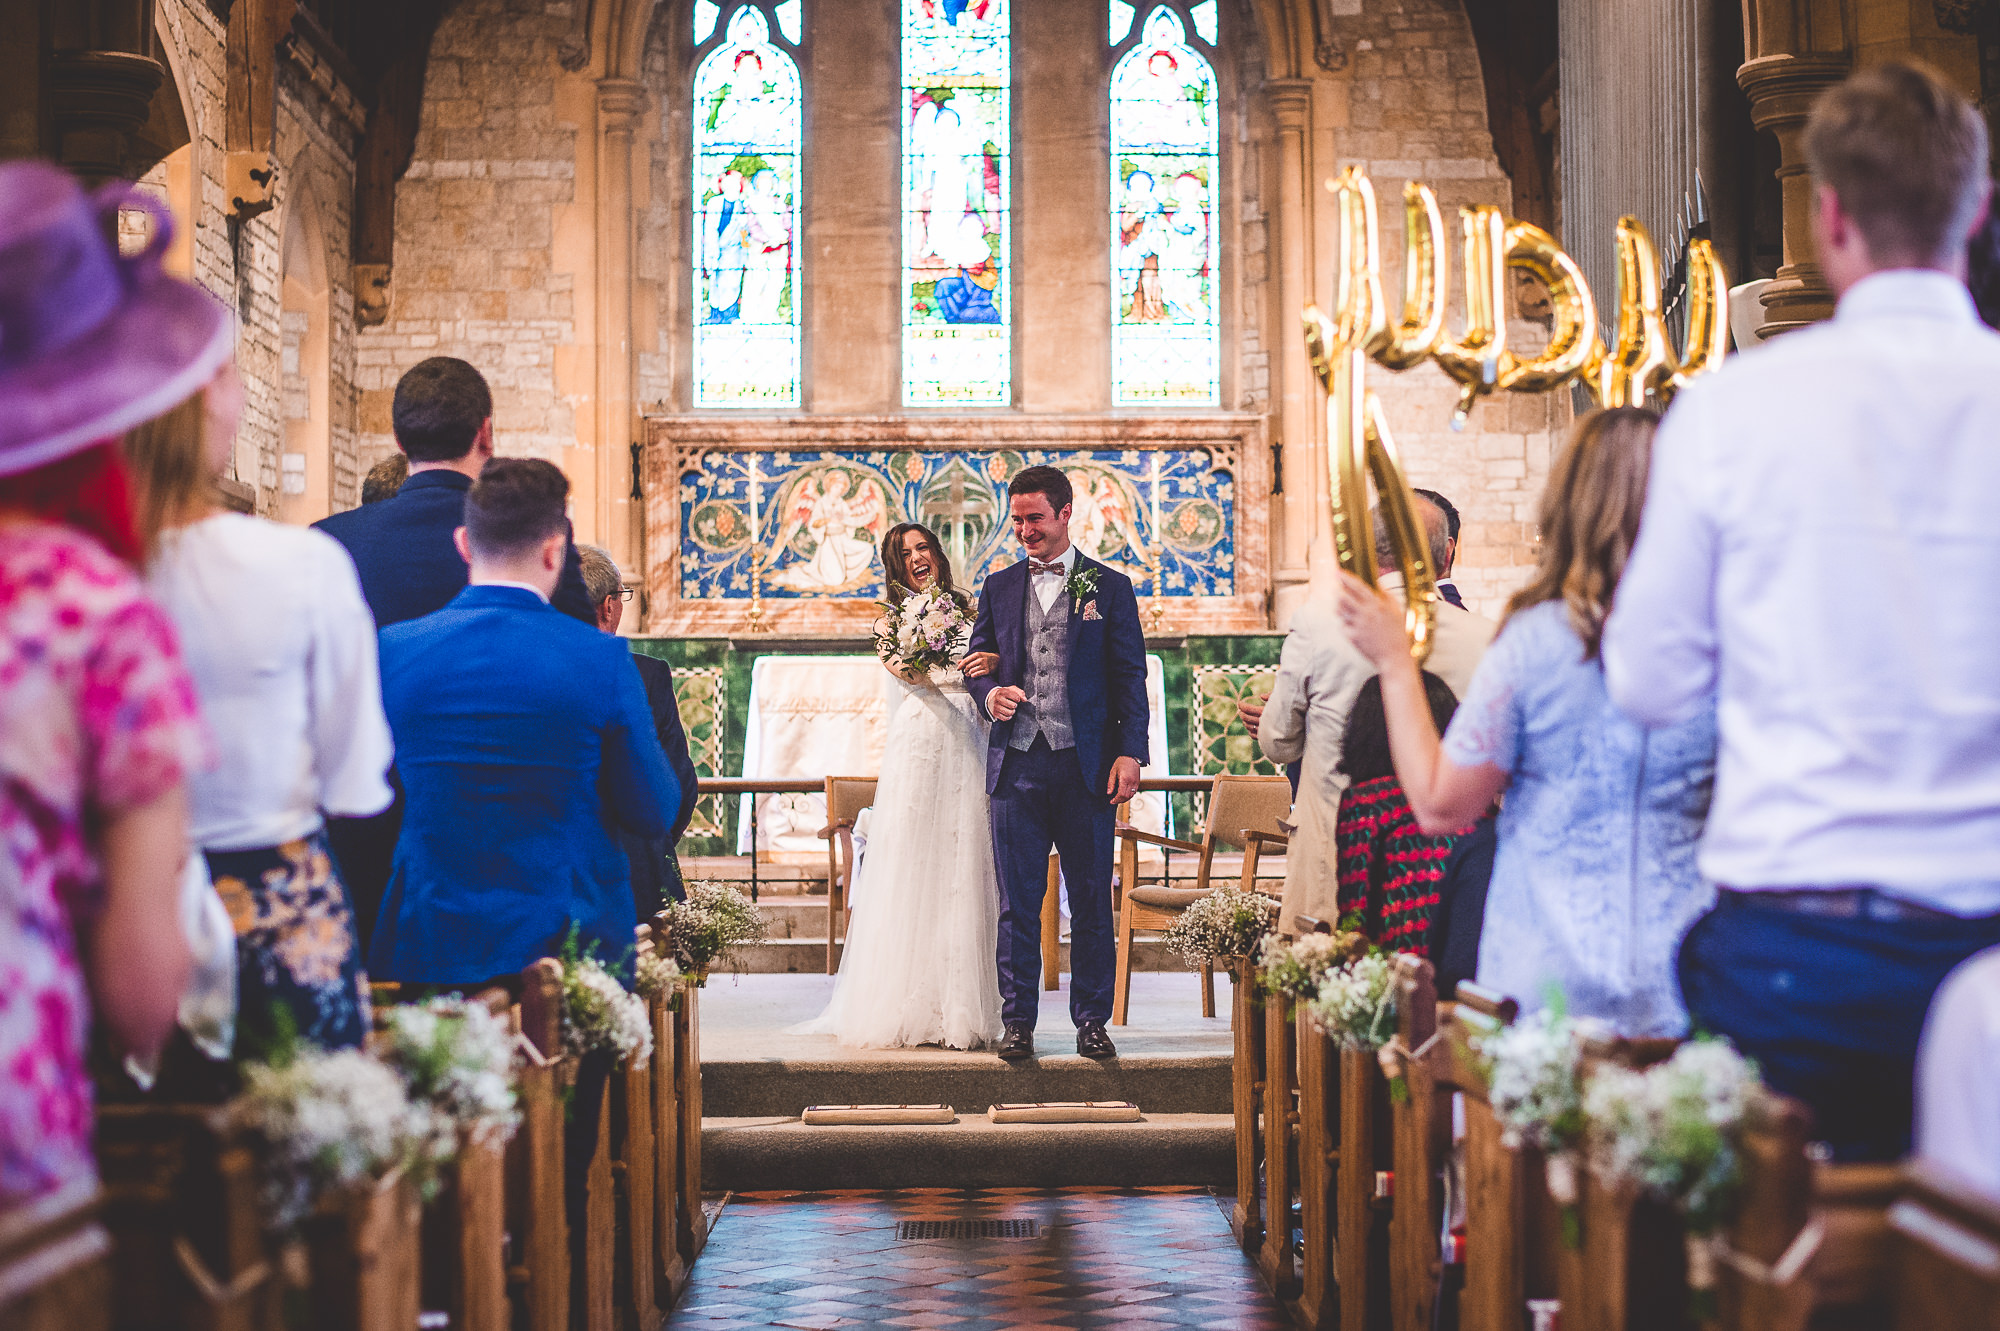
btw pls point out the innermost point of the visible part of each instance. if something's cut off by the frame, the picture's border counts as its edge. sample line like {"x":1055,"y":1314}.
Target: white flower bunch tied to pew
{"x":694,"y":933}
{"x":457,"y":1057}
{"x":1533,"y":1068}
{"x":599,"y":1012}
{"x":1295,"y":967}
{"x":1226,"y":924}
{"x":1357,"y":1000}
{"x":1674,"y":1129}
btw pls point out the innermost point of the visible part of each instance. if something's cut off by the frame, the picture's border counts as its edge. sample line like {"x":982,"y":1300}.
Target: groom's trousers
{"x":1041,"y":801}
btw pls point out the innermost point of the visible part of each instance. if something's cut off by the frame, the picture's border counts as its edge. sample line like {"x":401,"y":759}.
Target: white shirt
{"x":1048,"y":586}
{"x":1958,"y":1074}
{"x":1821,"y":551}
{"x":282,"y":651}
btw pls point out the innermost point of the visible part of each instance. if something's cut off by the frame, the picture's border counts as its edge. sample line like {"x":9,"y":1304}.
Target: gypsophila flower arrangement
{"x":599,"y":1012}
{"x":332,"y":1120}
{"x":1674,"y":1130}
{"x":925,"y":632}
{"x":458,"y":1058}
{"x":1532,"y":1084}
{"x":1228,"y":922}
{"x":1295,"y":967}
{"x":655,"y":975}
{"x":714,"y":918}
{"x":1357,"y":1001}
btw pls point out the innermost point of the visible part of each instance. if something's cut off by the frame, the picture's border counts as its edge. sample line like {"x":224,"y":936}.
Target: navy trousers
{"x":1830,"y":1008}
{"x":1042,"y":801}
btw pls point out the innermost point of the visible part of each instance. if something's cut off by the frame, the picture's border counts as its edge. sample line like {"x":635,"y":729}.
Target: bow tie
{"x":1037,"y":566}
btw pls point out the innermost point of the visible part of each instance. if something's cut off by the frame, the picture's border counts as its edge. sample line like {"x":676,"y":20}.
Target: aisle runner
{"x":1135,"y":1259}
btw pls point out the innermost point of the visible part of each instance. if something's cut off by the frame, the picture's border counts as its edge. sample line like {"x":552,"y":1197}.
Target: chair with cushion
{"x":846,"y":797}
{"x":1237,"y":807}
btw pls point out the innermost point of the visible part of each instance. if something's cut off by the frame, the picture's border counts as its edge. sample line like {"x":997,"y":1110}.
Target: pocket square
{"x":1090,"y":610}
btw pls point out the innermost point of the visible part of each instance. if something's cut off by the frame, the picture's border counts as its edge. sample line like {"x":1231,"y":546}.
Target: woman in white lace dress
{"x":919,"y":966}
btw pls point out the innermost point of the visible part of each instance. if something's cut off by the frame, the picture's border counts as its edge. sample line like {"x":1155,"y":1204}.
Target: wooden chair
{"x":1946,"y":1253}
{"x":1246,"y":1080}
{"x":54,"y":1272}
{"x":846,"y":797}
{"x":1237,"y":805}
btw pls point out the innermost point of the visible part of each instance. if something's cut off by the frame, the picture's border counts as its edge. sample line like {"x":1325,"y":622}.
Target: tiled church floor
{"x":1134,"y":1259}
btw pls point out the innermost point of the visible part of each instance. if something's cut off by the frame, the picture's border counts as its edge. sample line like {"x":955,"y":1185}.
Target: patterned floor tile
{"x":1119,"y":1259}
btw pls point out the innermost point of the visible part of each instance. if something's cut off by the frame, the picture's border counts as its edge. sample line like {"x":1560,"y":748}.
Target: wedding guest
{"x":513,"y":792}
{"x":1319,"y":675}
{"x":282,"y":650}
{"x":98,"y":720}
{"x":1958,"y":1075}
{"x":385,"y":479}
{"x":1818,"y":561}
{"x":404,"y":550}
{"x":1390,"y":870}
{"x":1594,"y":878}
{"x":656,"y":871}
{"x":1447,"y":591}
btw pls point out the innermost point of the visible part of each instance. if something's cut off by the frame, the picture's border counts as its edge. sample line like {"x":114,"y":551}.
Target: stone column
{"x":620,"y":103}
{"x":1299,"y":427}
{"x":97,"y":102}
{"x":1781,"y":89}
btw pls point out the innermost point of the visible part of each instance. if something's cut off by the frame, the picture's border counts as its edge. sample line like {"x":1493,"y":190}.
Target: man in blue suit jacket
{"x":409,"y":565}
{"x":524,"y":741}
{"x":1068,"y":705}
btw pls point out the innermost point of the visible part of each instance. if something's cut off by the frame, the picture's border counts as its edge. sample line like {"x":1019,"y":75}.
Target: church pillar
{"x":1782,"y":89}
{"x":1301,"y":452}
{"x":101,"y":80}
{"x":620,"y":103}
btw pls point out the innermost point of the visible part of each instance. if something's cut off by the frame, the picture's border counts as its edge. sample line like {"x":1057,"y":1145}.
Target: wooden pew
{"x":538,"y":1274}
{"x":690,"y":1222}
{"x":365,"y":1249}
{"x":1420,"y":1128}
{"x":670,"y":1269}
{"x":1247,"y":1103}
{"x":634,"y":1170}
{"x":54,"y":1272}
{"x":1946,"y":1253}
{"x":1321,"y":1154}
{"x":1277,"y":1257}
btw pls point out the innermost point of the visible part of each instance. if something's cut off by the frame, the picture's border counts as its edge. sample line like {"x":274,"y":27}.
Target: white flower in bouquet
{"x":1228,"y":922}
{"x":1674,"y":1130}
{"x":1295,"y":967}
{"x":924,"y":633}
{"x":331,"y":1120}
{"x":1357,"y":1001}
{"x":598,"y":1012}
{"x":458,"y":1058}
{"x":1532,"y":1080}
{"x":714,"y":918}
{"x":655,"y":975}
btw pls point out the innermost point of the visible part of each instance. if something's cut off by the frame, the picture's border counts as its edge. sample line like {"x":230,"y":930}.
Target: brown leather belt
{"x":1837,"y":903}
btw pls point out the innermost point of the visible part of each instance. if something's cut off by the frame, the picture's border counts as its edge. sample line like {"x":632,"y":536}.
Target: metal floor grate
{"x":919,"y":1230}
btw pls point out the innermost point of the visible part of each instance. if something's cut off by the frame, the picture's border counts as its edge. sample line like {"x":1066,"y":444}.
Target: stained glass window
{"x":746,"y":117}
{"x":1164,"y":160}
{"x":957,"y":61}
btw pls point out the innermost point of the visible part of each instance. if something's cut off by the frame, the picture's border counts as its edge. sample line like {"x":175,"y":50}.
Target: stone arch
{"x":305,"y":462}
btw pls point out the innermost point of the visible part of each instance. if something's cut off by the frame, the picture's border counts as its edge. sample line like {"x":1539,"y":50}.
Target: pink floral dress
{"x":96,"y":714}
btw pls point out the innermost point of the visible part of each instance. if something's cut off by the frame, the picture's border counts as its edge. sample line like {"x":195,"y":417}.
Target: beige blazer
{"x":1319,"y":674}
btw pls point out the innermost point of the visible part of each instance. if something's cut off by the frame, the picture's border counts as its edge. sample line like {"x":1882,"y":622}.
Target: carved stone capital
{"x":98,"y":101}
{"x":620,"y":103}
{"x":372,"y":294}
{"x":1291,"y":102}
{"x":1782,"y":88}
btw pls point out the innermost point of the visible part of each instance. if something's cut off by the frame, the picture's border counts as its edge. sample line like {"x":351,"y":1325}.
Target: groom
{"x":1069,"y":736}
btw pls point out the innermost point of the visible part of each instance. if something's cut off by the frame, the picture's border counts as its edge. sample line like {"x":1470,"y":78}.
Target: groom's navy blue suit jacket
{"x":1107,"y":667}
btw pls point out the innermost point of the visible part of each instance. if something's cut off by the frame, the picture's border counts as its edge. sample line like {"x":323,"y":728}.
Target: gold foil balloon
{"x":1473,"y":359}
{"x":1707,"y":315}
{"x":1574,"y":336}
{"x":1412,"y":339}
{"x":1641,"y":361}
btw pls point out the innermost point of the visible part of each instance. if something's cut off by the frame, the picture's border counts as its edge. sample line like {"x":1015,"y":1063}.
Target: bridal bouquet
{"x":926,"y":632}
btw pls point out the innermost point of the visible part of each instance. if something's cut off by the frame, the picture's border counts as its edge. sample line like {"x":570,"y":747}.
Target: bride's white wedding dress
{"x":919,"y":965}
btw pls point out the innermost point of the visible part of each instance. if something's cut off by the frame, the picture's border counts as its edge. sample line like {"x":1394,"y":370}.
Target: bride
{"x":919,"y":966}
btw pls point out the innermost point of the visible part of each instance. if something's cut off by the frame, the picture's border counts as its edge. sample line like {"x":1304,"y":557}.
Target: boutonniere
{"x":1082,"y":583}
{"x":1090,"y":610}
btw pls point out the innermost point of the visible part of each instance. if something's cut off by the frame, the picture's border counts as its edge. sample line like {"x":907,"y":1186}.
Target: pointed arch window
{"x":746,"y":119}
{"x":957,"y":263}
{"x":1165,"y":156}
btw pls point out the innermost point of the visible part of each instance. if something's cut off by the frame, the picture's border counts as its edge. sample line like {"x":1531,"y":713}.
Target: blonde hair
{"x":1590,"y":517}
{"x":168,"y":459}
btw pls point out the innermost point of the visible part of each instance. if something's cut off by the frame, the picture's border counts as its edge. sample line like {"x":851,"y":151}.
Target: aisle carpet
{"x":1135,"y":1259}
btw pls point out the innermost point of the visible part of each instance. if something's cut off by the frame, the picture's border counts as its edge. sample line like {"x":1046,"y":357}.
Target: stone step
{"x":781,"y":1153}
{"x":806,"y":955}
{"x":1193,"y":1083}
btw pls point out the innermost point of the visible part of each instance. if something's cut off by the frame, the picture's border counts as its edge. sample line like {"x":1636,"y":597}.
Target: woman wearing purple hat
{"x":98,"y":720}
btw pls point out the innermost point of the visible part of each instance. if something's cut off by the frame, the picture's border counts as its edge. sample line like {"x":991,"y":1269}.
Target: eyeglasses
{"x":627,"y":593}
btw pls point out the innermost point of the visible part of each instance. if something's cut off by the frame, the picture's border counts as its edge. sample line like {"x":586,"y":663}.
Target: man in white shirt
{"x":1818,"y":553}
{"x":1305,"y":719}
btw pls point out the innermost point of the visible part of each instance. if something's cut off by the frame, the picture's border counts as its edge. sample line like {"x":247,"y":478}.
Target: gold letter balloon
{"x":1639,"y":364}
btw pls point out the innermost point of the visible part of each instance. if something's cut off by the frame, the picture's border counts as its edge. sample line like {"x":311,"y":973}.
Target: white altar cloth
{"x":819,"y":716}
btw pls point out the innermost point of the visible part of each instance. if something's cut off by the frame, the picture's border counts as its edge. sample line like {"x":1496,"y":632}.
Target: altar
{"x":816,"y":716}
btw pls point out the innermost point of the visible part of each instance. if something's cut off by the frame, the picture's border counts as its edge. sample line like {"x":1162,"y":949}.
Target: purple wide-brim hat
{"x":92,"y":343}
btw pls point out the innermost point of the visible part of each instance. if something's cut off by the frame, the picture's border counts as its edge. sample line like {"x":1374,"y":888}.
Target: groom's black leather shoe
{"x":1018,"y":1044}
{"x":1092,"y":1042}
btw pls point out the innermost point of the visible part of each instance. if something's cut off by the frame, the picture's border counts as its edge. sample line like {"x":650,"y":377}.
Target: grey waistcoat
{"x":1046,"y":712}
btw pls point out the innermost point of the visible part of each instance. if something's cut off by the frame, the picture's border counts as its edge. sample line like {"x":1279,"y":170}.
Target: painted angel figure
{"x":845,"y":527}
